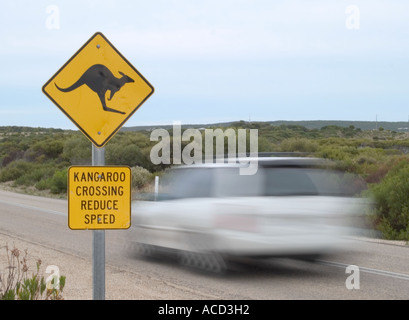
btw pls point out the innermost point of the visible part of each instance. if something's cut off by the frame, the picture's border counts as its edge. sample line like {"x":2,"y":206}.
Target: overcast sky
{"x":217,"y":61}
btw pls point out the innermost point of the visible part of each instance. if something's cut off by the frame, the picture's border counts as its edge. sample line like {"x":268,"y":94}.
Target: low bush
{"x":17,"y":284}
{"x":57,"y":183}
{"x":36,"y":174}
{"x":298,"y":145}
{"x":15,"y":170}
{"x":391,"y":199}
{"x":140,"y":177}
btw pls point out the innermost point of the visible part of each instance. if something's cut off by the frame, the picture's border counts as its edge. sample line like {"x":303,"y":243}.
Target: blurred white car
{"x":209,"y":214}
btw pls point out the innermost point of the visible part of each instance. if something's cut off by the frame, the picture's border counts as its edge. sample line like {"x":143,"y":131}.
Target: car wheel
{"x":206,"y":261}
{"x":146,"y":250}
{"x":140,"y":245}
{"x":201,"y":256}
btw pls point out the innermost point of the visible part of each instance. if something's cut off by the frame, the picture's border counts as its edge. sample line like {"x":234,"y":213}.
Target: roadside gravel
{"x":120,"y":284}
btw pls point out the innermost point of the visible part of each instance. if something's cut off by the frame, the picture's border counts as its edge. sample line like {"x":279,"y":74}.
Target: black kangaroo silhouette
{"x":100,"y":79}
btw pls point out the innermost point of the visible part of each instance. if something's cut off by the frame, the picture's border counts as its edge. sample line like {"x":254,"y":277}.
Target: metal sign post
{"x":98,"y":241}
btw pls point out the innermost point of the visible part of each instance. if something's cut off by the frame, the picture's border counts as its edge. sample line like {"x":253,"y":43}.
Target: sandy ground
{"x":120,"y":284}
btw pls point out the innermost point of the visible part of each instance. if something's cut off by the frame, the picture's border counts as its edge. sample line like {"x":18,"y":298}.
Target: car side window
{"x":288,"y":181}
{"x":188,"y":183}
{"x":230,"y":183}
{"x":282,"y":181}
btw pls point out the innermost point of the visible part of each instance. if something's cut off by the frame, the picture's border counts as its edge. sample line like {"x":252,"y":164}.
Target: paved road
{"x":42,"y":222}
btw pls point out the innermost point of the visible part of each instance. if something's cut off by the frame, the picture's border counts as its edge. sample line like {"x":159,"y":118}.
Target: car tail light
{"x":238,"y":222}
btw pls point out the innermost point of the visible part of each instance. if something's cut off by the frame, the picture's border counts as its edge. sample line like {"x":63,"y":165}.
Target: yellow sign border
{"x":96,"y":168}
{"x":110,"y":135}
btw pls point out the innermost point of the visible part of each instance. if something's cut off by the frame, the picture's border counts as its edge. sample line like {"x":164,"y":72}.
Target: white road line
{"x":33,"y":208}
{"x":368,"y":270}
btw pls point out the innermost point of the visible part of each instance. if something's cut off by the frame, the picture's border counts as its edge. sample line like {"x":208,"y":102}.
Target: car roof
{"x":261,"y":161}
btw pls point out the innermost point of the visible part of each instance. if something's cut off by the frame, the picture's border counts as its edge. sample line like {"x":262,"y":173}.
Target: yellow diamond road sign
{"x":99,"y":197}
{"x":98,"y":89}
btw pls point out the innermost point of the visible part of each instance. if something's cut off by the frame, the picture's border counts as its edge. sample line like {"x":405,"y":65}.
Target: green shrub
{"x":36,"y":174}
{"x":298,"y":145}
{"x":15,"y":170}
{"x":140,"y":177}
{"x":77,"y":150}
{"x":58,"y":182}
{"x":44,"y":149}
{"x":392,"y":202}
{"x":127,"y":154}
{"x":43,"y":184}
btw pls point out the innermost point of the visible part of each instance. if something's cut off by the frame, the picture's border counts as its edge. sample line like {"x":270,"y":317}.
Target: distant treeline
{"x":309,"y":124}
{"x":400,"y":126}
